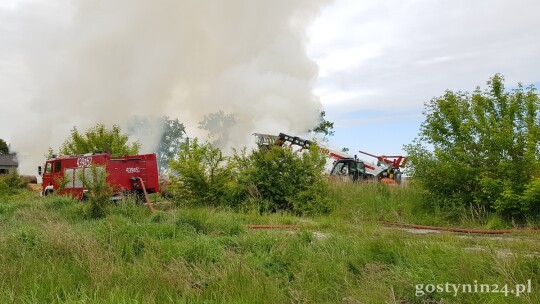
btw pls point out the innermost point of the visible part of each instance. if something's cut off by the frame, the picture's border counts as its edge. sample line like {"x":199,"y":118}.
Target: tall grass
{"x":372,"y":201}
{"x":361,"y":202}
{"x":51,"y":251}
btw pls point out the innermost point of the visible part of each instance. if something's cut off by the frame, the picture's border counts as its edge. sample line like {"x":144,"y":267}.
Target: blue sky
{"x":380,"y":61}
{"x":376,"y":132}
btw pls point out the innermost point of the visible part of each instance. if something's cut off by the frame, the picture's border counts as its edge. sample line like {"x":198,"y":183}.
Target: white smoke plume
{"x":102,"y":61}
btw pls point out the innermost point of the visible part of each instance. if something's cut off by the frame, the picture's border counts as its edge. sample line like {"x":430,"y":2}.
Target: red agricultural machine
{"x":136,"y":174}
{"x":387,"y":169}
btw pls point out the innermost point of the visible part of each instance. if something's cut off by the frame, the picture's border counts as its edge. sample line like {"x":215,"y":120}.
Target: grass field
{"x":52,"y":252}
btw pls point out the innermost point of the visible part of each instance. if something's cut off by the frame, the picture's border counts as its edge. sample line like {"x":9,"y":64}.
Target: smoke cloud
{"x":100,"y":61}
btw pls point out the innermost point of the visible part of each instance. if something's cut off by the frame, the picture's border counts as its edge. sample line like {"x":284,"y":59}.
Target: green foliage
{"x":313,"y":200}
{"x":61,"y":182}
{"x":58,"y":202}
{"x":99,"y":139}
{"x":268,"y":180}
{"x":217,"y":125}
{"x":12,"y":183}
{"x":50,"y":153}
{"x":530,"y":199}
{"x":201,"y":174}
{"x":171,"y":141}
{"x":94,"y":179}
{"x":172,"y":136}
{"x":485,"y":147}
{"x":324,"y":127}
{"x":287,"y":180}
{"x":275,"y":172}
{"x":4,"y":148}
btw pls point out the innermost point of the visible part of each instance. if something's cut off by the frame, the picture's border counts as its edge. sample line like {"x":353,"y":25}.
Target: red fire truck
{"x":135,"y":173}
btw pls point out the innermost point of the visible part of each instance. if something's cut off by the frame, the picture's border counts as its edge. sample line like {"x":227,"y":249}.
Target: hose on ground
{"x":459,"y":230}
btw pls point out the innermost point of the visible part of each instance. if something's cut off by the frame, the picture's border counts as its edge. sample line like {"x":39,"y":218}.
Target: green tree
{"x":4,"y":148}
{"x":99,"y":139}
{"x":485,"y":148}
{"x":165,"y":134}
{"x":217,"y":125}
{"x":171,"y":141}
{"x":324,"y":127}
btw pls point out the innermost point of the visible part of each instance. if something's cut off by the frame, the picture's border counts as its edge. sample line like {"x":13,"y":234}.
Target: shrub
{"x":11,"y":183}
{"x":269,"y":179}
{"x":313,"y":200}
{"x":99,"y":191}
{"x":200,"y":175}
{"x":288,"y":180}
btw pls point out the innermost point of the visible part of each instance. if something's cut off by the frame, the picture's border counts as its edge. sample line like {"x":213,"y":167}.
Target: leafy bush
{"x":11,"y":183}
{"x":289,"y":180}
{"x":485,"y":148}
{"x":201,"y":174}
{"x":99,"y":191}
{"x":313,"y":200}
{"x":269,"y":179}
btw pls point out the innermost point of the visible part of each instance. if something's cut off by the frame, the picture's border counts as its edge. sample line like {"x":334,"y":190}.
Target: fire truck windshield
{"x":48,"y":168}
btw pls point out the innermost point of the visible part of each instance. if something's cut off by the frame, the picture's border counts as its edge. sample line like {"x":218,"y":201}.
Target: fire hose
{"x":459,"y":230}
{"x":146,"y":196}
{"x":271,"y":226}
{"x":424,"y":227}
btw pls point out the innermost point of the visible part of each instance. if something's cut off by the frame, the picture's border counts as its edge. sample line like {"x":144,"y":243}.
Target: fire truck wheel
{"x":48,"y":192}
